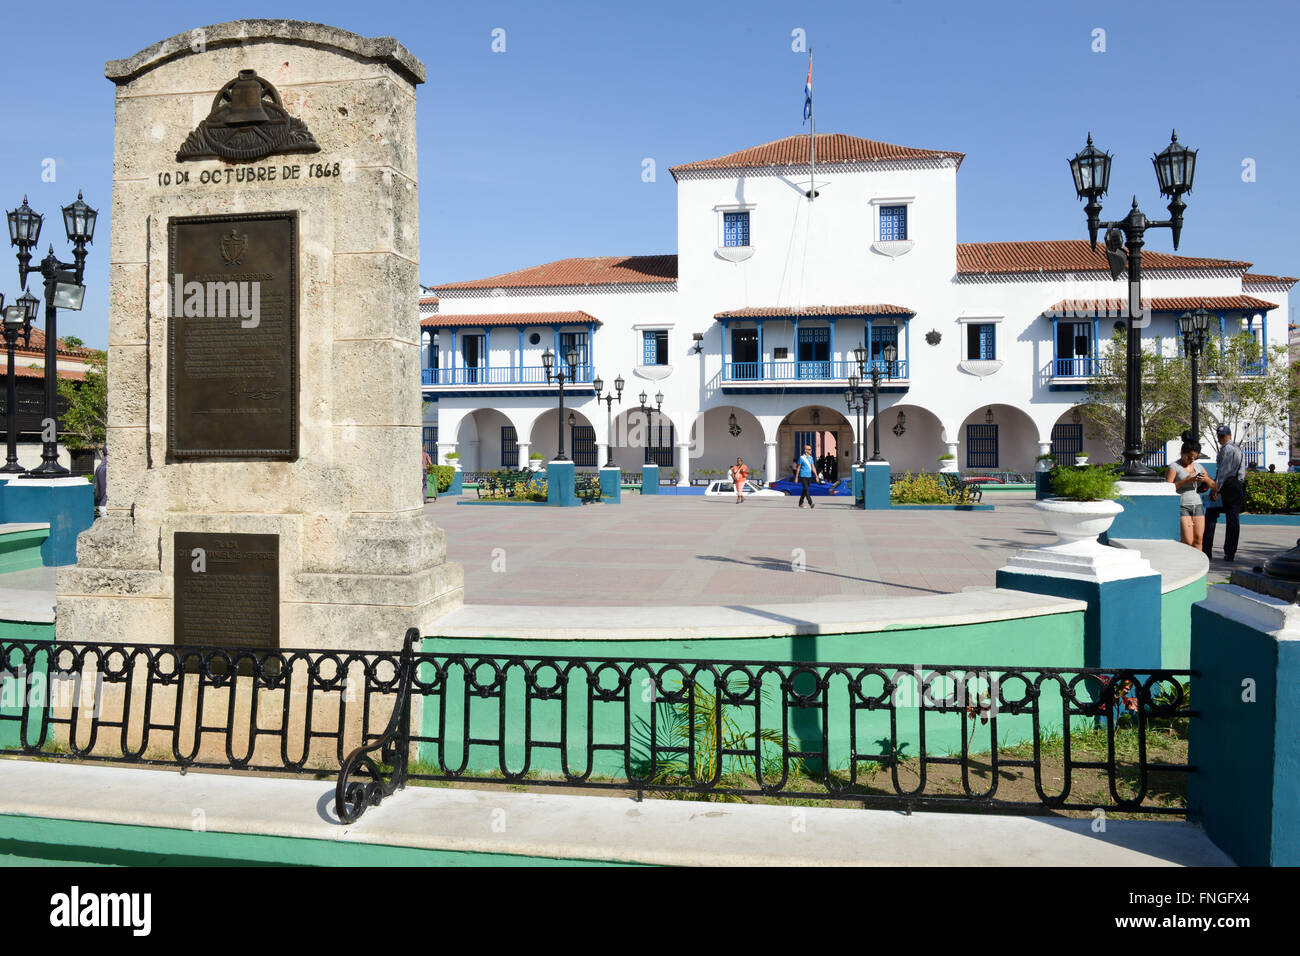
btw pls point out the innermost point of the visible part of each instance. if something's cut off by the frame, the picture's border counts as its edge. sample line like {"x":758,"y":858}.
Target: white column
{"x":683,"y":464}
{"x":444,"y":449}
{"x":475,"y":456}
{"x":602,"y":453}
{"x":1044,"y":448}
{"x":769,"y":462}
{"x":524,"y":449}
{"x":951,"y":463}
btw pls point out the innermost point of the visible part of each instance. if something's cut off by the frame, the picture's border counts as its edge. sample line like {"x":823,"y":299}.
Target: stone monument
{"x":263,"y":357}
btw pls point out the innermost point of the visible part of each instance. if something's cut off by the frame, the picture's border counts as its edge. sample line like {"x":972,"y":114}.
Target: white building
{"x":749,"y":331}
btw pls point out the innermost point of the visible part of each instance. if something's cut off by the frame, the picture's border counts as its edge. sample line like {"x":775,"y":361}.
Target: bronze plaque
{"x":232,"y":337}
{"x":227,"y":589}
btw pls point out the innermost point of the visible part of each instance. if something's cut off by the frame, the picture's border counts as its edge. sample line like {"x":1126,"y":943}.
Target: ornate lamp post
{"x":63,"y":289}
{"x":565,"y":374}
{"x":1194,"y":328}
{"x":890,"y":354}
{"x":1175,"y":168}
{"x":598,"y":383}
{"x":853,"y":400}
{"x":17,"y":321}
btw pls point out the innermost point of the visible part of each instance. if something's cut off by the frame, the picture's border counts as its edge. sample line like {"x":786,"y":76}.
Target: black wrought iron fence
{"x":1008,"y":739}
{"x":297,"y":711}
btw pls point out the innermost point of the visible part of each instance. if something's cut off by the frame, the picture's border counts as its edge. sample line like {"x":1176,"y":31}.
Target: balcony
{"x":823,"y":375}
{"x":511,"y":378}
{"x":1080,"y":369}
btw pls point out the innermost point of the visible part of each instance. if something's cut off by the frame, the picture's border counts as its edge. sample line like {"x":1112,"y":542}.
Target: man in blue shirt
{"x":807,"y":467}
{"x":1230,"y":496}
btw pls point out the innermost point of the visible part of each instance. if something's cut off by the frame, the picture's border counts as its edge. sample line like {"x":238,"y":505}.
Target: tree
{"x":71,"y":342}
{"x":1166,"y":396}
{"x":83,"y":425}
{"x":1247,"y":385}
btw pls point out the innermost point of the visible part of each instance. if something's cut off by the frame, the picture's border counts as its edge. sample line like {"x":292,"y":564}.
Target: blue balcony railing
{"x":1084,"y":366}
{"x":790,"y":370}
{"x":498,"y":375}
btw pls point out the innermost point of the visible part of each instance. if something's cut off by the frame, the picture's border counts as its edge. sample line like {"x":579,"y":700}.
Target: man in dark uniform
{"x":1229,"y":498}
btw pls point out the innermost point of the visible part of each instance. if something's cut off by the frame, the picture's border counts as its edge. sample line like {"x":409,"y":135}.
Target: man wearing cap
{"x":1230,"y":496}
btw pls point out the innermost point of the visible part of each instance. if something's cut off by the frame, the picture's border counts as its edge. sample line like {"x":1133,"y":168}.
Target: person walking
{"x":739,"y":475}
{"x":1187,"y":477}
{"x":1230,"y":495}
{"x":101,"y":482}
{"x":806,"y":468}
{"x":426,"y":466}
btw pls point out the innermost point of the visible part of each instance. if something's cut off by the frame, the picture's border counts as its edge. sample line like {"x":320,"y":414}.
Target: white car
{"x":725,"y":489}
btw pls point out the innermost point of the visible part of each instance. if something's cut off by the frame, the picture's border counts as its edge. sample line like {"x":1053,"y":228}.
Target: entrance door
{"x":981,"y":446}
{"x":814,"y":352}
{"x":744,"y":354}
{"x":471,"y":351}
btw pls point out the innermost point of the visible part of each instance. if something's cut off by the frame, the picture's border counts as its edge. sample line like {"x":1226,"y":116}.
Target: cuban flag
{"x":807,"y":94}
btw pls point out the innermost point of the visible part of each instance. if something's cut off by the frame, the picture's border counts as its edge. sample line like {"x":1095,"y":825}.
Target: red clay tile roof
{"x":1261,"y":279}
{"x":832,"y":149}
{"x":23,"y":370}
{"x":38,"y":345}
{"x":510,"y":318}
{"x":1065,"y":255}
{"x":595,"y":270}
{"x":775,"y":311}
{"x":1181,"y":303}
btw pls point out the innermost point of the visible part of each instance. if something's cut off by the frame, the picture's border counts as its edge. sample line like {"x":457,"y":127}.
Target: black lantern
{"x":642,"y":399}
{"x":659,"y":399}
{"x":988,"y":417}
{"x":572,"y":357}
{"x":30,"y":303}
{"x":1091,"y":169}
{"x":598,"y":383}
{"x":890,"y":354}
{"x":618,"y":387}
{"x":79,"y":221}
{"x":548,"y":362}
{"x":861,"y":354}
{"x":572,"y":421}
{"x":24,"y":226}
{"x":1194,"y":327}
{"x":1175,"y":168}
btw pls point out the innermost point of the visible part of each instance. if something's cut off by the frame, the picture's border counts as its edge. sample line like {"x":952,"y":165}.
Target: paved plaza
{"x":689,"y":550}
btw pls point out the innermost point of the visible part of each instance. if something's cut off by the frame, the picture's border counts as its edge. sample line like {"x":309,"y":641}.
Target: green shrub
{"x":922,"y":489}
{"x":1269,"y":493}
{"x":1094,"y":483}
{"x":444,"y":474}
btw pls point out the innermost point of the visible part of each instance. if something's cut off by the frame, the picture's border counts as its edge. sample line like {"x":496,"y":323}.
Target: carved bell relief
{"x":247,"y":122}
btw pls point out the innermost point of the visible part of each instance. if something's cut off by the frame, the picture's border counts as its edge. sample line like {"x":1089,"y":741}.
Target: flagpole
{"x":812,"y":138}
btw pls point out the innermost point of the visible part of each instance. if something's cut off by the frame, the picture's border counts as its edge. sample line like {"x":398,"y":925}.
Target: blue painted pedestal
{"x":1150,"y":511}
{"x":560,"y":485}
{"x":650,"y":479}
{"x":611,"y":486}
{"x":875,"y":485}
{"x":858,"y":483}
{"x":1246,"y":788}
{"x":457,"y":482}
{"x":66,"y":504}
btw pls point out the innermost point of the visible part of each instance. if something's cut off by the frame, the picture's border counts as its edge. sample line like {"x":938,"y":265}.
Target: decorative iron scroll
{"x":247,"y":122}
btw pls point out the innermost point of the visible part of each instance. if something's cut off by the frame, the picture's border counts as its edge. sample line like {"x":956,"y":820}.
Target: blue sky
{"x":536,"y":153}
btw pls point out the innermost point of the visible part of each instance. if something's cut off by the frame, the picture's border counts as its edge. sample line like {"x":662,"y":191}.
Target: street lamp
{"x":609,"y":399}
{"x":853,"y":401}
{"x":889,"y":353}
{"x":1175,"y":167}
{"x":17,"y":321}
{"x":566,"y":373}
{"x":1194,"y":328}
{"x":63,"y":289}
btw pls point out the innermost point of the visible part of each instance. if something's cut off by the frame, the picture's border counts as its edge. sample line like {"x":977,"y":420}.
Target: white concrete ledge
{"x":616,"y":829}
{"x":693,"y":622}
{"x":1179,"y":565}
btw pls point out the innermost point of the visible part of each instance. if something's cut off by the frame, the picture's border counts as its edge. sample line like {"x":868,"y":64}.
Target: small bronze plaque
{"x":227,"y":589}
{"x":232,"y":337}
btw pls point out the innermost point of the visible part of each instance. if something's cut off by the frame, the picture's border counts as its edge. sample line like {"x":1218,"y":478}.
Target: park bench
{"x":587,"y":487}
{"x":967,"y":492}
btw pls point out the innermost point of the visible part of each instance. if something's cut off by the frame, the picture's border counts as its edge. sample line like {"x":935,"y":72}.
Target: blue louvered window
{"x":735,"y":228}
{"x":654,"y":347}
{"x":981,"y":446}
{"x":893,"y":223}
{"x":981,"y":341}
{"x":509,"y":447}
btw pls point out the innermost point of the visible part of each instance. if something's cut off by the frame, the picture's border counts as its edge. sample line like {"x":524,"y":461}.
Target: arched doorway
{"x":721,"y":435}
{"x":828,"y":432}
{"x":998,"y":438}
{"x":579,"y":438}
{"x":642,"y":437}
{"x":911,"y":438}
{"x":487,"y":440}
{"x":1076,"y":433}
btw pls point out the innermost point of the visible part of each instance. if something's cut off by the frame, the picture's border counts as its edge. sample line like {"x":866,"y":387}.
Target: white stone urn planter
{"x":1081,"y":459}
{"x":1075,"y":521}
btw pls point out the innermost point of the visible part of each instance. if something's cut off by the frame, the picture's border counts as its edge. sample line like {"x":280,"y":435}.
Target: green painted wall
{"x":461,"y":713}
{"x":1176,"y":625}
{"x":32,"y":840}
{"x":20,"y":550}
